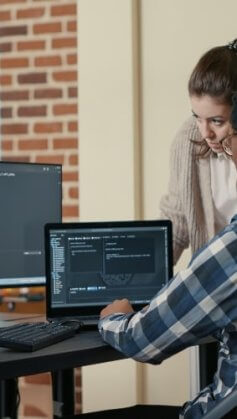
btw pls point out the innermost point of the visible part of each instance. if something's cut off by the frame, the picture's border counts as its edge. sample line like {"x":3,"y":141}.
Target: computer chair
{"x":223,"y":407}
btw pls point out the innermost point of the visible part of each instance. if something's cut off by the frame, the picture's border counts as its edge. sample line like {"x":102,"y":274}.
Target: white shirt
{"x":224,"y":189}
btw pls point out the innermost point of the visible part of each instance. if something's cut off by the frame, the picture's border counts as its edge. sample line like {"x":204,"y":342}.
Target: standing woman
{"x":202,"y":192}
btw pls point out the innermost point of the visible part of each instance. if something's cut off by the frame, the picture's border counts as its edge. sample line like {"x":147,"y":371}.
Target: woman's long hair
{"x":202,"y":149}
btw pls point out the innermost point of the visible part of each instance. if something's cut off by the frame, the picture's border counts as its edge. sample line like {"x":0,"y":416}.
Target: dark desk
{"x":86,"y":348}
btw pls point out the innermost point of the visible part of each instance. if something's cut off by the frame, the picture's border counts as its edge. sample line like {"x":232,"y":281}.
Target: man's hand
{"x":117,"y":306}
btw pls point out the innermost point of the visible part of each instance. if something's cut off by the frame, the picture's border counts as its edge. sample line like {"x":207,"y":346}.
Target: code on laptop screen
{"x":95,"y":266}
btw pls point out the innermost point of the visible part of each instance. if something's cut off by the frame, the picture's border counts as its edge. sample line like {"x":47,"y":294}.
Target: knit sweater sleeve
{"x":174,"y":205}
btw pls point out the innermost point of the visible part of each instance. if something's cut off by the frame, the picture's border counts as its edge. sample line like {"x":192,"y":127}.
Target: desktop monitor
{"x":30,"y":196}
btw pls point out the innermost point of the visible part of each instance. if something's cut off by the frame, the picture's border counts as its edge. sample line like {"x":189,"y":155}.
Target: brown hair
{"x":215,"y":75}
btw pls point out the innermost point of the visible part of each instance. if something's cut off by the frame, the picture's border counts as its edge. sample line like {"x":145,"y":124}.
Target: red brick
{"x":72,"y":126}
{"x":48,"y":61}
{"x":6,"y":112}
{"x":32,"y":78}
{"x":12,"y":1}
{"x":30,"y":45}
{"x":31,"y":410}
{"x":65,"y":109}
{"x":64,"y":43}
{"x":5,"y":80}
{"x":73,"y":160}
{"x":47,"y":27}
{"x":27,"y":111}
{"x":5,"y":47}
{"x":44,"y":378}
{"x":72,"y":26}
{"x":33,"y":144}
{"x":78,"y":396}
{"x":72,"y":59}
{"x":65,"y":76}
{"x":48,"y":93}
{"x":12,"y":157}
{"x":78,"y":400}
{"x":70,"y":211}
{"x":5,"y":15}
{"x":14,"y":62}
{"x":72,"y":92}
{"x":14,"y":95}
{"x":48,"y":127}
{"x":70,"y":176}
{"x":7,"y":145}
{"x":63,"y":10}
{"x":50,"y":159}
{"x":7,"y":129}
{"x":13,"y":30}
{"x":77,"y":372}
{"x":30,"y":13}
{"x":73,"y":193}
{"x":65,"y":143}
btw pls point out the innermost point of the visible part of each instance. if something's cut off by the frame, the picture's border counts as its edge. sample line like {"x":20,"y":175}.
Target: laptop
{"x":90,"y":264}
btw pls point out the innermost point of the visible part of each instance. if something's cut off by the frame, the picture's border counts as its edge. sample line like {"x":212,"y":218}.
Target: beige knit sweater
{"x":188,"y":202}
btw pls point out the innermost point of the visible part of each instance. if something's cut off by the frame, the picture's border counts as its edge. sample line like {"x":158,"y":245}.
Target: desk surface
{"x":85,"y":348}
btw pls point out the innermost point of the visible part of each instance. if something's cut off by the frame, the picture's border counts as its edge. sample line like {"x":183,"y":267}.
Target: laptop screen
{"x":88,"y":265}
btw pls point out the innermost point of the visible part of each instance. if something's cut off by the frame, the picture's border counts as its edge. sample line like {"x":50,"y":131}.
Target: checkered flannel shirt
{"x":199,"y":301}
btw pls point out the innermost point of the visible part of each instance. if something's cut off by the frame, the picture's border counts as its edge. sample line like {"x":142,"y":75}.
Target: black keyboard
{"x":32,"y":336}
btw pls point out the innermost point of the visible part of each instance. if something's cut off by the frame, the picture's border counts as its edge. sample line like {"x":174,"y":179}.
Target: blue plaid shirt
{"x":199,"y":301}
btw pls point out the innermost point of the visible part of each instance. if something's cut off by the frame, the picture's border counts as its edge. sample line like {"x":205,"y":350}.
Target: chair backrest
{"x":223,"y":407}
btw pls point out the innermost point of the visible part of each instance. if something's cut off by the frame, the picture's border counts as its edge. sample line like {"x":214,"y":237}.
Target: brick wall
{"x":38,"y":112}
{"x":38,"y":87}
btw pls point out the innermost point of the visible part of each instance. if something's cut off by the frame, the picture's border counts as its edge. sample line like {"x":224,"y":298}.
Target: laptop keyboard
{"x":32,"y":336}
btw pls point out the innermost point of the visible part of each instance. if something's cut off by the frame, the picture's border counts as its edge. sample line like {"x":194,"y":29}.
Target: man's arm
{"x":199,"y":301}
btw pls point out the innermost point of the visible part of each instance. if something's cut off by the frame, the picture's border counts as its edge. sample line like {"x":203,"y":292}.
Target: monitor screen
{"x":31,"y":196}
